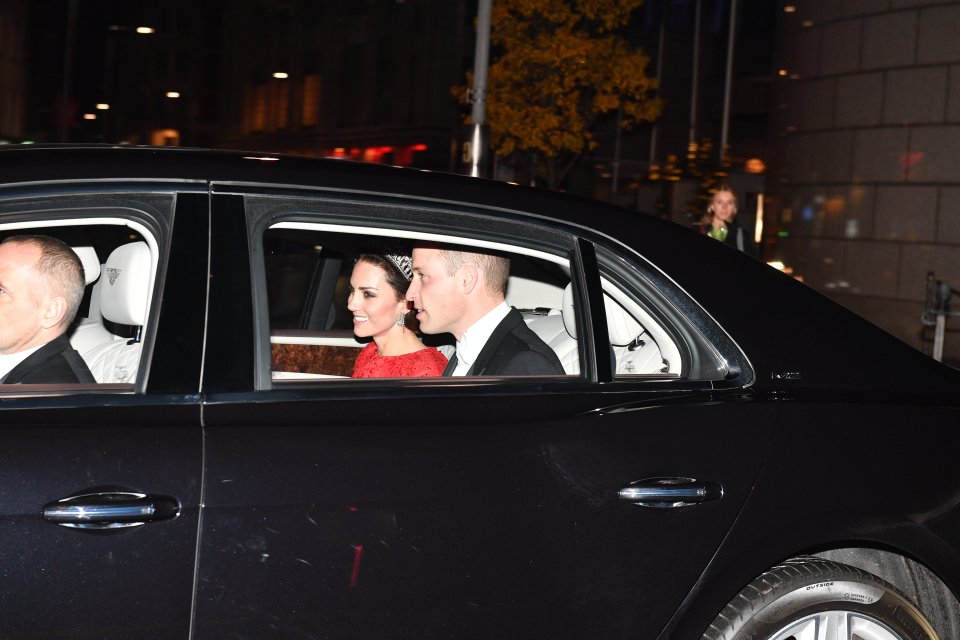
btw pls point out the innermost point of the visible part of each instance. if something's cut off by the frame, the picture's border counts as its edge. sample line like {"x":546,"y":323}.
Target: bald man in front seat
{"x":41,"y":286}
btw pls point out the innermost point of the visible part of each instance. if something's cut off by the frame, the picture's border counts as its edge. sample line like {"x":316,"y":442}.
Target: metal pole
{"x":67,"y":69}
{"x":938,"y":332}
{"x":660,"y":46}
{"x":943,"y":301}
{"x":615,"y":174}
{"x":731,"y":35}
{"x":696,"y":72}
{"x":481,"y":58}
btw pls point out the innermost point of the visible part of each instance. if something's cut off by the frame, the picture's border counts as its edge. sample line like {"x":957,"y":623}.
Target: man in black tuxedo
{"x":41,"y":286}
{"x":464,"y":293}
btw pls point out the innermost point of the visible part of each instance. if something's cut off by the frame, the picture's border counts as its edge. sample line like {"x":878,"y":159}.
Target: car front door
{"x":100,"y":484}
{"x":464,"y":508}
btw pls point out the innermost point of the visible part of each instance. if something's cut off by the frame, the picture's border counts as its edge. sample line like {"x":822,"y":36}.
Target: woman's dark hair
{"x":395,"y":278}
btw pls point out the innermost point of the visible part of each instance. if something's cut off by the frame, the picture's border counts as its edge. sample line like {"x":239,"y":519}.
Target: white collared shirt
{"x":475,"y":337}
{"x":8,"y":362}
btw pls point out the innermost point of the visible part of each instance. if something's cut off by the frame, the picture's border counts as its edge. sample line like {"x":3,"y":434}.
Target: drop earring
{"x":401,"y":320}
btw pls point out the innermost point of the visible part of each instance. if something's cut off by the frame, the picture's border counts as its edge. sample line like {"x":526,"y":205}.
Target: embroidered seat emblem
{"x":112,"y":273}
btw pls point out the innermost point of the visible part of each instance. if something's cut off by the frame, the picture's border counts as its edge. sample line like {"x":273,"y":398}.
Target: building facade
{"x":367,"y":80}
{"x":13,"y":32}
{"x":866,"y":178}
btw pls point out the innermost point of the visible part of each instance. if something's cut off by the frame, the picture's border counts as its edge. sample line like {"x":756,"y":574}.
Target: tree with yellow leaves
{"x":560,"y":66}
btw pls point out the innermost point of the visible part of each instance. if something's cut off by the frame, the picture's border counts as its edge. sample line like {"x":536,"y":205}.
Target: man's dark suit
{"x":56,"y":362}
{"x":512,"y":350}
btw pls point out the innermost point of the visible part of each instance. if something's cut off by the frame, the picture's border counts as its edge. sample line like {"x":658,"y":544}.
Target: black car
{"x":728,"y":455}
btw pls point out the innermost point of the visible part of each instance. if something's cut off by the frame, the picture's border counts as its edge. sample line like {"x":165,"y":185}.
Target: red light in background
{"x":400,"y":155}
{"x":355,"y":570}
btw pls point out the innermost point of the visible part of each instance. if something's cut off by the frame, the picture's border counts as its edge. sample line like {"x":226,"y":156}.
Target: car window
{"x":119,"y":254}
{"x":307,"y":271}
{"x":309,"y":246}
{"x":639,"y":345}
{"x":656,"y":330}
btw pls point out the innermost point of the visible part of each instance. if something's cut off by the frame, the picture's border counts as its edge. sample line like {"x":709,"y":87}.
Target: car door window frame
{"x":142,"y":209}
{"x":591,"y":271}
{"x":391,"y":218}
{"x":707,"y":352}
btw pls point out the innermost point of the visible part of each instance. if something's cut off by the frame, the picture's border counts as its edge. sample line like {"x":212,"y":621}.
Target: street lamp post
{"x":478,"y":134}
{"x":67,"y":71}
{"x":728,"y":79}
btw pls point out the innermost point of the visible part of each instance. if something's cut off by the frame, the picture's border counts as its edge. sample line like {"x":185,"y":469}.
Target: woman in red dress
{"x":380,"y":311}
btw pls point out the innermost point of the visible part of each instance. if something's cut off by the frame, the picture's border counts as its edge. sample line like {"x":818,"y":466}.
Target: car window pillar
{"x":178,"y":350}
{"x":596,"y":358}
{"x":230,"y":351}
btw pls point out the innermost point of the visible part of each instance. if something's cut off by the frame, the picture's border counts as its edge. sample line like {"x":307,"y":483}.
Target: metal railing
{"x":936,"y":311}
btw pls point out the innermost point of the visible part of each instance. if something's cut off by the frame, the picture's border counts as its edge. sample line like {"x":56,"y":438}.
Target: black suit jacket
{"x":512,"y":350}
{"x":56,"y":362}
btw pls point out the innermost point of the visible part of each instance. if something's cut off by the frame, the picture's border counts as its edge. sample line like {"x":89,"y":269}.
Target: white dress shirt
{"x":475,"y":337}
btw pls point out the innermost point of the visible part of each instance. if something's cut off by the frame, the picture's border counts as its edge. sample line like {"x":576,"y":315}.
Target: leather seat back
{"x":634,"y":350}
{"x":124,"y":290}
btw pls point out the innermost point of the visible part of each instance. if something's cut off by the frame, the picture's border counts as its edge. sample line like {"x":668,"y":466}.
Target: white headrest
{"x":621,"y":326}
{"x":90,"y":261}
{"x":126,"y":284}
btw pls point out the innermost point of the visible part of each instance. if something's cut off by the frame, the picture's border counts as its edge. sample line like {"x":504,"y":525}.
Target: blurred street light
{"x":144,"y":31}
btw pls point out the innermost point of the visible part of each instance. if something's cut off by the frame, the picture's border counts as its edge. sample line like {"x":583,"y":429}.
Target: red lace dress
{"x":425,"y":362}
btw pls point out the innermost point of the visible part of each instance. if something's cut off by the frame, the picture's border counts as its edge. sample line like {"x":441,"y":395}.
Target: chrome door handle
{"x":666,"y":493}
{"x":110,"y":509}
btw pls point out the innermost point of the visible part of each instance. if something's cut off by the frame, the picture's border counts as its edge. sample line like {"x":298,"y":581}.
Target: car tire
{"x":794,"y":600}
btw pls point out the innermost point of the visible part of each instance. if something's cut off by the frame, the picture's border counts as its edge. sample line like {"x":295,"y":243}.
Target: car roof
{"x":24,"y":164}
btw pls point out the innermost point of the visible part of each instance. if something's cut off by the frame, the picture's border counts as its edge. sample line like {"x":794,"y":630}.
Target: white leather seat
{"x":88,"y":332}
{"x":90,"y":261}
{"x":634,"y":350}
{"x":551,"y":330}
{"x":124,"y":288}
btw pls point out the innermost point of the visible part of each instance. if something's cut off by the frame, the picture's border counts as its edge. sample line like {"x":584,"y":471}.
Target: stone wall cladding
{"x":867,"y":179}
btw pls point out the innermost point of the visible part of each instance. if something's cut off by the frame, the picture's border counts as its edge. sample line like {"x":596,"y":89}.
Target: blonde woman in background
{"x":719,"y":222}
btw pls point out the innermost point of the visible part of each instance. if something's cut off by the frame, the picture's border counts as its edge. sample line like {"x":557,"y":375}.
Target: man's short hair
{"x":496,"y":268}
{"x":60,"y":268}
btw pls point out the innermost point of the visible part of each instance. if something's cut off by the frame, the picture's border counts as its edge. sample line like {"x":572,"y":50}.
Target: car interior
{"x":119,"y":261}
{"x":308,"y":272}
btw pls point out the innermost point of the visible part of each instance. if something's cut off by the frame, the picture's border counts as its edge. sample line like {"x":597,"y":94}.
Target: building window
{"x":165,"y":138}
{"x":311,"y":100}
{"x":281,"y":105}
{"x":256,"y":112}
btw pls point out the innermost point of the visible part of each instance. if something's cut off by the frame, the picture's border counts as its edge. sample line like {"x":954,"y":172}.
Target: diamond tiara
{"x":402,"y":263}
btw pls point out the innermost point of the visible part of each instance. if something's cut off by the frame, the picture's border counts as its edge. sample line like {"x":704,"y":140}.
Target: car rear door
{"x":465,"y":508}
{"x":100,"y":484}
